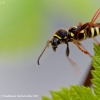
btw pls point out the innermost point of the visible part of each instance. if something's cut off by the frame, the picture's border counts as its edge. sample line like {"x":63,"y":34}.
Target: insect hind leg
{"x":96,"y":41}
{"x":84,"y":49}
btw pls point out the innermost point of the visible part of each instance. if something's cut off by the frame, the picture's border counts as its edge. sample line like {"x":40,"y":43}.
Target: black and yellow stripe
{"x":61,"y":34}
{"x":67,"y":35}
{"x":55,"y":35}
{"x":94,"y":31}
{"x":73,"y":33}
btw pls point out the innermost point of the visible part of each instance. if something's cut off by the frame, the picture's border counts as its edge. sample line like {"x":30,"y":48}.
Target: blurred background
{"x":25,"y":28}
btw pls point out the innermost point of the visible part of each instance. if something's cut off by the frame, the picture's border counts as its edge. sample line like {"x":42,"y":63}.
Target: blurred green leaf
{"x":45,"y":98}
{"x":96,"y":49}
{"x":96,"y":72}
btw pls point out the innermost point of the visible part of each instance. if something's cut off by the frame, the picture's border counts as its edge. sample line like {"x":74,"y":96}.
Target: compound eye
{"x":55,"y":42}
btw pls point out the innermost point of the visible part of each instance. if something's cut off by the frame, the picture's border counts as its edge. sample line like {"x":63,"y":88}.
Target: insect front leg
{"x":73,"y":64}
{"x":67,"y":50}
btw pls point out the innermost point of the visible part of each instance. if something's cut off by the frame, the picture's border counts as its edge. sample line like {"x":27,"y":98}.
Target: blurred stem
{"x":87,"y":81}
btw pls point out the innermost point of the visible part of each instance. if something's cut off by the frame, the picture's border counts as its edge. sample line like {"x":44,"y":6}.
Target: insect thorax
{"x":61,"y":34}
{"x":73,"y":33}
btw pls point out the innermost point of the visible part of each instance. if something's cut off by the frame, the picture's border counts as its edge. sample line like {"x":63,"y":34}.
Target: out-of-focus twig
{"x":87,"y":81}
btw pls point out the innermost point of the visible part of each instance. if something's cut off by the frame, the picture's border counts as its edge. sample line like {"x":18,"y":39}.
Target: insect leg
{"x":82,"y":28}
{"x":67,"y":50}
{"x":95,"y":17}
{"x":75,"y":42}
{"x":73,"y":64}
{"x":96,"y":41}
{"x":84,"y":48}
{"x":89,"y":24}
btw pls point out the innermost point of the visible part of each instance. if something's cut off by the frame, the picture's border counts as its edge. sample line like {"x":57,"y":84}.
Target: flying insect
{"x":75,"y":34}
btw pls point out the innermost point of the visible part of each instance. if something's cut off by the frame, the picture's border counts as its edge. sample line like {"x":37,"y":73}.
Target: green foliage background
{"x":24,"y":23}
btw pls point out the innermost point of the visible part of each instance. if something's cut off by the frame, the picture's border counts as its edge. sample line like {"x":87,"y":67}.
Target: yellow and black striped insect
{"x":75,"y":34}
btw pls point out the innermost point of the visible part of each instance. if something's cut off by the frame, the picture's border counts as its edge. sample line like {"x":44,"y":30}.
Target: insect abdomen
{"x":94,"y":31}
{"x":82,"y":35}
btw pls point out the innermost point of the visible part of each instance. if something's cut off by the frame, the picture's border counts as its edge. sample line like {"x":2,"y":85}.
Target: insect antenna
{"x":43,"y":51}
